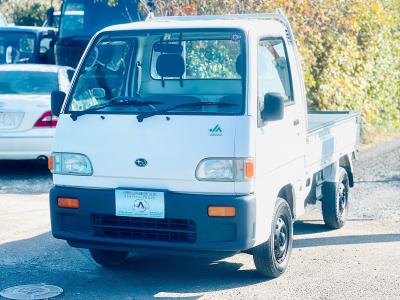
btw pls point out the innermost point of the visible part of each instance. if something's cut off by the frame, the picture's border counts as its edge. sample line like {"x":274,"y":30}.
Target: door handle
{"x":296,"y":122}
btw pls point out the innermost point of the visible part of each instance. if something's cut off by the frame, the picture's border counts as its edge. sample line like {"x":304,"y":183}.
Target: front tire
{"x":108,"y":258}
{"x":272,"y":257}
{"x":335,"y":202}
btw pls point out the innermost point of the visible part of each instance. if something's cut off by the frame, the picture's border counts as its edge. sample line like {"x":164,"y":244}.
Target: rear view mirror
{"x":273,"y":107}
{"x":57,"y":101}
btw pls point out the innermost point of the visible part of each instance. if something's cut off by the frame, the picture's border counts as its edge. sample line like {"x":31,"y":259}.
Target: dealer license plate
{"x":143,"y":204}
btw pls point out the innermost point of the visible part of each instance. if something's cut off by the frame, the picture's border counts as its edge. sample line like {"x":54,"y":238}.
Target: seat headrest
{"x":168,"y":48}
{"x":170,"y":65}
{"x":239,"y":64}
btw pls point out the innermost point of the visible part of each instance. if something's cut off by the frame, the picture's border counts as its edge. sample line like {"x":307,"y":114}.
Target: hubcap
{"x":281,"y":239}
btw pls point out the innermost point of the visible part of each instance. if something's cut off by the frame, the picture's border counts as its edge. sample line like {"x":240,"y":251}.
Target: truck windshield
{"x":16,"y":47}
{"x":168,"y":68}
{"x":84,"y":18}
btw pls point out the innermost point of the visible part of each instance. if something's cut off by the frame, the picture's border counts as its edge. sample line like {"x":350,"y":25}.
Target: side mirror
{"x":57,"y":101}
{"x":51,"y":34}
{"x":273,"y":107}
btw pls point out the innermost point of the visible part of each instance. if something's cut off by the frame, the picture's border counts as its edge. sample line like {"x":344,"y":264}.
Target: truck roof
{"x":32,"y":29}
{"x":273,"y":22}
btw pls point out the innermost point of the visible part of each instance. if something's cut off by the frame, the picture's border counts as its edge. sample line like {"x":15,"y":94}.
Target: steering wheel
{"x":91,"y":60}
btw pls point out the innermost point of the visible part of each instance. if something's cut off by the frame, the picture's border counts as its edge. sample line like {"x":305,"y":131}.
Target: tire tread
{"x":263,"y":253}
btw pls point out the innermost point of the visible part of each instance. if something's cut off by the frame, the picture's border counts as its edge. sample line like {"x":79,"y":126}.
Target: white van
{"x":191,"y":134}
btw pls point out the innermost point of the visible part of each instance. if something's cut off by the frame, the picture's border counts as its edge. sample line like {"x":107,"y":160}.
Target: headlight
{"x":71,"y":164}
{"x":225,"y":169}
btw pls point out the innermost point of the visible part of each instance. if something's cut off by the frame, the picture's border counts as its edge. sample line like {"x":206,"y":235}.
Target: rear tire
{"x":108,"y":258}
{"x":272,"y":257}
{"x":335,"y":202}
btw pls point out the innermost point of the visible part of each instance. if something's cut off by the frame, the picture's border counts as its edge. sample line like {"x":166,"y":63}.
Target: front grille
{"x":172,"y":230}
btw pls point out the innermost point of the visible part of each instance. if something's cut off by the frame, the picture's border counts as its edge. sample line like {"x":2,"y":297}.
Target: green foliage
{"x":350,"y":50}
{"x":212,"y":59}
{"x":26,"y":12}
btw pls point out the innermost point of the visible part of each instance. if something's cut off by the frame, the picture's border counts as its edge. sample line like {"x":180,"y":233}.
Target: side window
{"x":45,"y":44}
{"x":47,"y":50}
{"x":273,"y":69}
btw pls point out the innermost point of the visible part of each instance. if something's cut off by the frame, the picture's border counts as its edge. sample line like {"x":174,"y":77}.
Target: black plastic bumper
{"x":227,"y":234}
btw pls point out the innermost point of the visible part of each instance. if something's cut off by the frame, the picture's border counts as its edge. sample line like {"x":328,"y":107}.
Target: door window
{"x":273,"y":70}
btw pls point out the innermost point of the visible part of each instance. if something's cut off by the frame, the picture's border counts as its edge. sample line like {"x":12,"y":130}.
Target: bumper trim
{"x":220,"y":234}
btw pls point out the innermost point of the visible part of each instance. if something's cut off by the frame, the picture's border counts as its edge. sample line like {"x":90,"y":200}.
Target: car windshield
{"x":16,"y":47}
{"x":85,"y":18}
{"x":28,"y":82}
{"x":172,"y":68}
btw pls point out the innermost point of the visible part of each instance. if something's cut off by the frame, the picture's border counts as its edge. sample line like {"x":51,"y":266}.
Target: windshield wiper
{"x":117,"y":101}
{"x":145,"y":115}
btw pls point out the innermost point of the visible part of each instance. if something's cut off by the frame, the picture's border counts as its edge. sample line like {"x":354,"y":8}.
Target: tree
{"x":26,"y":12}
{"x":350,"y":50}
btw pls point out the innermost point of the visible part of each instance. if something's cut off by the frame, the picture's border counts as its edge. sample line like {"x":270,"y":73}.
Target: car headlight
{"x":71,"y":164}
{"x":225,"y":169}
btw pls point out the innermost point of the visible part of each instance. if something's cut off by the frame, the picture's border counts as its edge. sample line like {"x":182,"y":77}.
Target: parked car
{"x":79,"y":20}
{"x":26,"y":123}
{"x":191,"y":134}
{"x":27,"y":44}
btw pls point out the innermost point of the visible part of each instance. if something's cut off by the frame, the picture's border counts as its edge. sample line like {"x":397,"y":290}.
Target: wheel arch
{"x":287,"y":193}
{"x":346,"y":163}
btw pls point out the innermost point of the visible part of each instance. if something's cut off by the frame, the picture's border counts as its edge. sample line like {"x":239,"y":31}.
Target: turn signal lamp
{"x":221,"y":211}
{"x":68,"y":203}
{"x":50,"y":163}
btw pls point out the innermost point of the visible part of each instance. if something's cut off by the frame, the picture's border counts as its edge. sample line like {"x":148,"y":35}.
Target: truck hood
{"x":172,"y":149}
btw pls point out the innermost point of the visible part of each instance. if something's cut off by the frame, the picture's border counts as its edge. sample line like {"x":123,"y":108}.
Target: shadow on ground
{"x":44,"y":259}
{"x":24,"y":177}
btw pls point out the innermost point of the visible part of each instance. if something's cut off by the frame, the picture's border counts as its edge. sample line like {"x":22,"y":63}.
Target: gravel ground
{"x":359,"y":261}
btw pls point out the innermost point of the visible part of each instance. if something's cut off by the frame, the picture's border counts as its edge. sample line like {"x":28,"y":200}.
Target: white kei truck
{"x":191,"y":135}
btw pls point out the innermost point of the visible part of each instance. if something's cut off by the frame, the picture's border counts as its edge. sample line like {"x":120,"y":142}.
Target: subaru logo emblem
{"x":141,"y":162}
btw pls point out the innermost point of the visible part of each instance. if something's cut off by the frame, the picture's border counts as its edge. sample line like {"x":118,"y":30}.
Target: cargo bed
{"x":330,"y":135}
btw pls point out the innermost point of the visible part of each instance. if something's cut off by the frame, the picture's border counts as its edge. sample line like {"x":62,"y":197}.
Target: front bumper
{"x":196,"y":231}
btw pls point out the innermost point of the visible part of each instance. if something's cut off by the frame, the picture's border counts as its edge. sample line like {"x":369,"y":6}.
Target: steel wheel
{"x":335,"y":202}
{"x":342,"y":199}
{"x":281,"y":240}
{"x":271,"y":258}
